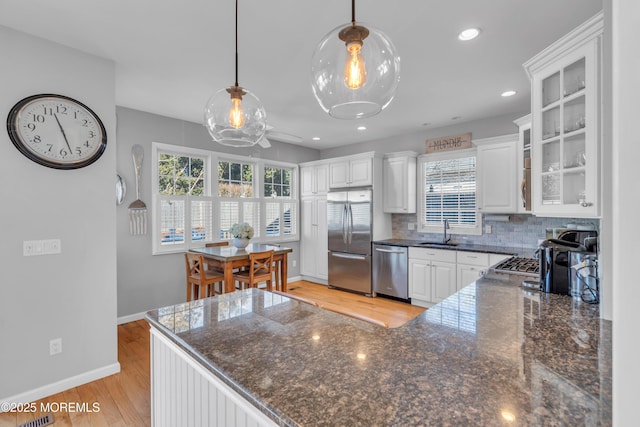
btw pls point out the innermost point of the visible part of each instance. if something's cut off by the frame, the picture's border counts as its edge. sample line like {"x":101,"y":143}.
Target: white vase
{"x":240,"y":243}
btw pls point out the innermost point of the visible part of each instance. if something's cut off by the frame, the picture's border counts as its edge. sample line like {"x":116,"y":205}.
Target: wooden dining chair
{"x":201,"y":282}
{"x":260,"y":269}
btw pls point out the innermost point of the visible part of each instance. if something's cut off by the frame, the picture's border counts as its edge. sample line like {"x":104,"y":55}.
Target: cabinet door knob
{"x":586,"y":204}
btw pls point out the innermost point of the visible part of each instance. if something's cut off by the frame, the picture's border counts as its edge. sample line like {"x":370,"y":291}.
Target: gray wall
{"x":71,"y":295}
{"x":148,"y":281}
{"x":485,"y":128}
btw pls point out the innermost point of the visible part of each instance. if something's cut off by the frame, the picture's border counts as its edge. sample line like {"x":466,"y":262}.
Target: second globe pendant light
{"x":355,"y":70}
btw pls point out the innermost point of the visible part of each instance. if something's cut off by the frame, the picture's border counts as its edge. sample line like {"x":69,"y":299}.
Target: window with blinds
{"x":449,"y":192}
{"x":280,"y":210}
{"x":187,"y":212}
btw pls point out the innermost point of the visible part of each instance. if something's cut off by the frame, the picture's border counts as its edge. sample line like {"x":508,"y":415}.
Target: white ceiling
{"x":172,"y":55}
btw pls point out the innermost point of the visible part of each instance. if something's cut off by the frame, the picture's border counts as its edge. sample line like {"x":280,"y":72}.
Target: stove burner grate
{"x":519,"y":265}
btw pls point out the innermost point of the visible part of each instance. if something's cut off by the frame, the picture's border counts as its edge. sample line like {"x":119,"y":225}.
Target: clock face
{"x":56,"y":131}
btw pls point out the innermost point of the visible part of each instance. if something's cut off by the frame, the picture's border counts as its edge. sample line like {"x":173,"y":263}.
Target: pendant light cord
{"x":353,"y":12}
{"x":237,"y":43}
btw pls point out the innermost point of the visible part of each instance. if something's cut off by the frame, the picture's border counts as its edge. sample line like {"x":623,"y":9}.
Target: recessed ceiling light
{"x":362,"y":128}
{"x":509,"y":93}
{"x":316,"y":138}
{"x":469,"y":34}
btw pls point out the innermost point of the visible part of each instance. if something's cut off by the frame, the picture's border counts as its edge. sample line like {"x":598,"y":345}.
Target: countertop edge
{"x":457,"y":247}
{"x":271,"y":413}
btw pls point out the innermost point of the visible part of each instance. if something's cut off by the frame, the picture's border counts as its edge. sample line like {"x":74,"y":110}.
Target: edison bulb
{"x":236,"y":115}
{"x":355,"y":73}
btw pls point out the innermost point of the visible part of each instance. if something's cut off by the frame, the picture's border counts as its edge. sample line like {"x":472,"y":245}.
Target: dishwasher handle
{"x":390,"y":251}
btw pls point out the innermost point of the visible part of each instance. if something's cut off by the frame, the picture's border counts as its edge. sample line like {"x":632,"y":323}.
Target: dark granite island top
{"x":491,"y":354}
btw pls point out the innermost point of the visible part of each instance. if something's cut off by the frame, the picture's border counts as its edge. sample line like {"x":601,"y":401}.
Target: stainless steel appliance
{"x":349,"y":223}
{"x":554,"y":265}
{"x":390,"y":275}
{"x":555,"y":258}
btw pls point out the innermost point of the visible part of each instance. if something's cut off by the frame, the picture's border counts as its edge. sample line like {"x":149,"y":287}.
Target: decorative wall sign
{"x":448,"y":143}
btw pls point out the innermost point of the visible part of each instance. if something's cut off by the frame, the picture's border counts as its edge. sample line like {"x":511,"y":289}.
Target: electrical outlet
{"x":411,"y":226}
{"x":487,"y":229}
{"x":294,"y":263}
{"x":55,"y":346}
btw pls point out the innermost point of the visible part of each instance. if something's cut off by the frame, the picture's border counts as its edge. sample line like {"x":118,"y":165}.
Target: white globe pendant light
{"x":355,"y":70}
{"x":234,"y":116}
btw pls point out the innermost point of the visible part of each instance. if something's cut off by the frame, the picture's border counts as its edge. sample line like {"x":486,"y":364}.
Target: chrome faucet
{"x":446,"y":240}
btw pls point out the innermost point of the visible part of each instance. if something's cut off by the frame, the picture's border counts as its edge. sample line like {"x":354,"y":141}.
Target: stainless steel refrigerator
{"x":349,"y":218}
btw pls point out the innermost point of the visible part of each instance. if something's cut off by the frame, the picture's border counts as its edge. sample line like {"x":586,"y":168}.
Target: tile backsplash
{"x":521,"y":231}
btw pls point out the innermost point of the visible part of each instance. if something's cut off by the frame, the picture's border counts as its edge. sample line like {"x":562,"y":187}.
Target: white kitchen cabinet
{"x":566,"y":97}
{"x":436,"y":274}
{"x":467,"y":274}
{"x":524,"y":164}
{"x":313,"y":238}
{"x":420,"y":282}
{"x":498,"y":183}
{"x":399,"y":172}
{"x":314,"y":179}
{"x":352,"y":171}
{"x":470,"y":266}
{"x":432,"y":275}
{"x":443,"y":280}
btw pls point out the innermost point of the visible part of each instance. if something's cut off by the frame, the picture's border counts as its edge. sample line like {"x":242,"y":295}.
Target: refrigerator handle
{"x":350,"y":222}
{"x":344,"y":222}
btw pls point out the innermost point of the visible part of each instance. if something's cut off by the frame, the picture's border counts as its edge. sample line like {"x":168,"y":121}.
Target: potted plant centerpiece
{"x":242,"y":233}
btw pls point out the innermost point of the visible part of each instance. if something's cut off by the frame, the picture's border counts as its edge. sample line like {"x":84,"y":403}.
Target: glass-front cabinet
{"x":566,"y":124}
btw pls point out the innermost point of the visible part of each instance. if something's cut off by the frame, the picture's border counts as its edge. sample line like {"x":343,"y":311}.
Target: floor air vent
{"x":39,"y":422}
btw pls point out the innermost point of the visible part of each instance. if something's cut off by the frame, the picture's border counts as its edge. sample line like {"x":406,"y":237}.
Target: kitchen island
{"x":491,"y":354}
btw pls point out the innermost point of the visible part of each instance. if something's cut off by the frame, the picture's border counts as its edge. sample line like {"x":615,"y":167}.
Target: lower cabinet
{"x":432,"y":275}
{"x":436,"y":274}
{"x":471,"y":265}
{"x":467,"y":274}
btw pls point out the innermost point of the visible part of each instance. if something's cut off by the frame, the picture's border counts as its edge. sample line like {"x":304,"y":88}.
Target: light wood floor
{"x":393,"y":313}
{"x":124,"y":398}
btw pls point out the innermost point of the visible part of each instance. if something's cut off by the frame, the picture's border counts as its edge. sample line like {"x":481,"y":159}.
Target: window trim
{"x":211,"y":185}
{"x":450,"y":155}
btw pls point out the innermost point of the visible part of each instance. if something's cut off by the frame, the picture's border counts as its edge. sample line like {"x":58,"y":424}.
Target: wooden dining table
{"x":229,"y":257}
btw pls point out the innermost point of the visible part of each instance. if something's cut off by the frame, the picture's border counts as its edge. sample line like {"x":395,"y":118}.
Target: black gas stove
{"x":519,"y":265}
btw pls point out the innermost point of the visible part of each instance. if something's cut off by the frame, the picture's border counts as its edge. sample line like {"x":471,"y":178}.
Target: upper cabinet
{"x":314,"y":179}
{"x":566,"y":95}
{"x":352,"y":171}
{"x":399,"y":173}
{"x":498,"y":184}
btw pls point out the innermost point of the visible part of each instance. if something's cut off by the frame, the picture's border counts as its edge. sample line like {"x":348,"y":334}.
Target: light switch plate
{"x":41,"y":247}
{"x":487,"y":229}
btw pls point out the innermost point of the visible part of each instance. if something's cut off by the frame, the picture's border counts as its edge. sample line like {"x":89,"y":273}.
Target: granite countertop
{"x":490,"y":353}
{"x":467,"y":247}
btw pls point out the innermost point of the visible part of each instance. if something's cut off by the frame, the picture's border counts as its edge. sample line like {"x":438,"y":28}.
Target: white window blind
{"x":449,"y":192}
{"x":200,"y":194}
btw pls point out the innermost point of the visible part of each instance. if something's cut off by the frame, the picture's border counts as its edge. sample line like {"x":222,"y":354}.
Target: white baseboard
{"x":62,"y":385}
{"x":131,"y":317}
{"x":314,"y":280}
{"x":293,"y":279}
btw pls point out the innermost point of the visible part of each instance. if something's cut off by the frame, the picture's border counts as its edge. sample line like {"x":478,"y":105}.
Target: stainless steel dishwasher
{"x":390,"y":276}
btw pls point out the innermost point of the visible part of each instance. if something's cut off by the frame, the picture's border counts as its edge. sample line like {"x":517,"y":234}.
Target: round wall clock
{"x":56,"y":131}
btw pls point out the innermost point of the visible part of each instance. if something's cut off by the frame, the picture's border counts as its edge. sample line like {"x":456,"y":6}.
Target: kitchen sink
{"x":438,"y":244}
